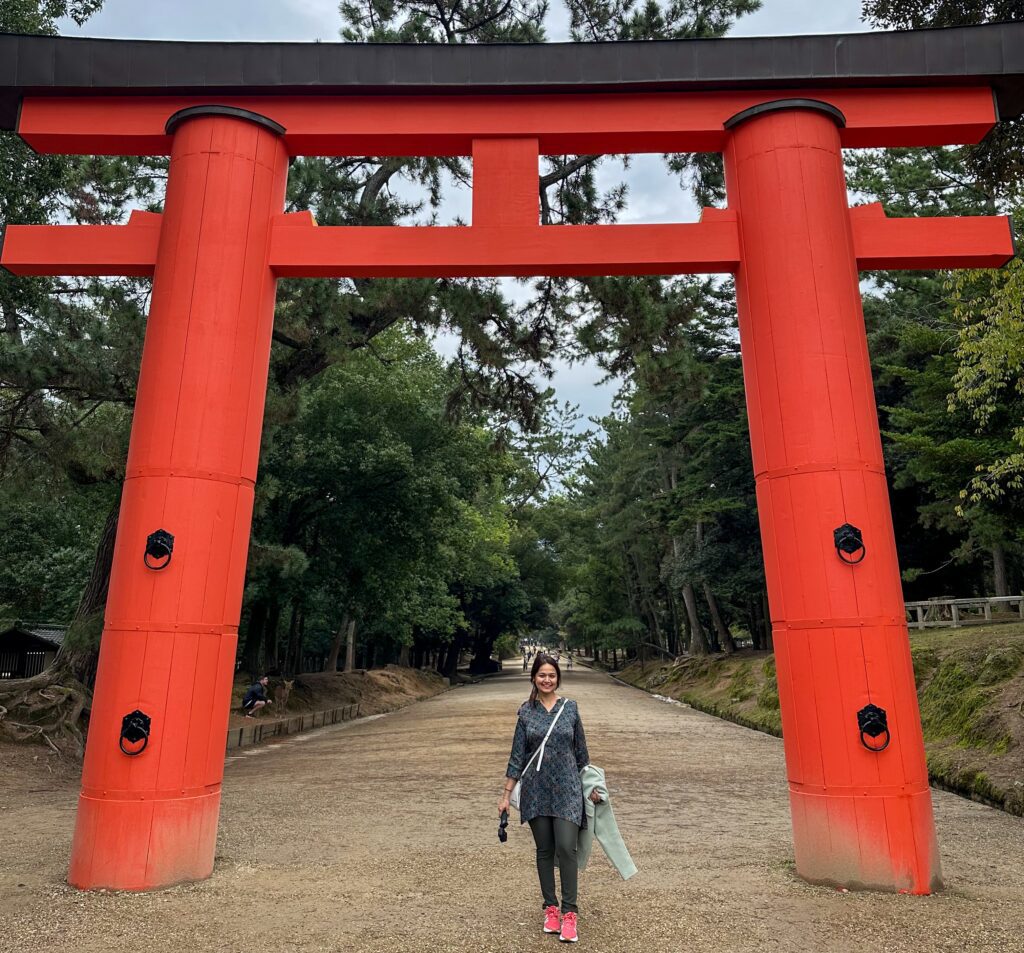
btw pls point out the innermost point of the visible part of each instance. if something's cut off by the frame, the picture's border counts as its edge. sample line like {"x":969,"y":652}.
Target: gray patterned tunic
{"x":555,"y":790}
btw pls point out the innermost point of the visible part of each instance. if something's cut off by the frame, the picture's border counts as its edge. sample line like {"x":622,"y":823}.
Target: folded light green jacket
{"x":601,"y":824}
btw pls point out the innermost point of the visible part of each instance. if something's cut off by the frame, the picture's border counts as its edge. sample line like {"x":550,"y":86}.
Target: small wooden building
{"x":26,"y":648}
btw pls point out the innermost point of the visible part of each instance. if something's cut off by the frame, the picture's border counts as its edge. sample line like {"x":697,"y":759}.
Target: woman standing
{"x":551,"y":798}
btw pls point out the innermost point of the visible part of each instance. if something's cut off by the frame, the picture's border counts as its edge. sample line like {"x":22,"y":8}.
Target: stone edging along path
{"x":244,"y":736}
{"x":259,"y":731}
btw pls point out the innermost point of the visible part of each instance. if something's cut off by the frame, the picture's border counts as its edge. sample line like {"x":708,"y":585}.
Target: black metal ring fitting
{"x":134,"y":729}
{"x":159,"y":546}
{"x":873,"y":722}
{"x":848,"y":541}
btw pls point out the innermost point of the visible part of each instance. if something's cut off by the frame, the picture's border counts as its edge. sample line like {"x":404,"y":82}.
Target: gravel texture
{"x":380,"y":835}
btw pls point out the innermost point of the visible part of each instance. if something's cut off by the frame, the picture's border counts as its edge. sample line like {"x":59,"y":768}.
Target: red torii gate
{"x":861,"y":815}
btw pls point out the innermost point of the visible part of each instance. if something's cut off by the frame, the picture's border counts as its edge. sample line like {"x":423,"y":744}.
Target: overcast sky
{"x":653,"y":195}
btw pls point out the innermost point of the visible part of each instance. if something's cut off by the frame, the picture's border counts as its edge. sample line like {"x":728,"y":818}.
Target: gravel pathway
{"x":380,"y":835}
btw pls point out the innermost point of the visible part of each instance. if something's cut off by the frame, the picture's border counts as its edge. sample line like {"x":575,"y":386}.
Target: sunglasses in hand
{"x":502,"y":825}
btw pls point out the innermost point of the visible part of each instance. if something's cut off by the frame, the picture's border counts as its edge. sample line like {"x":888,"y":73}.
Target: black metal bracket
{"x":159,"y":545}
{"x":848,"y":540}
{"x":134,"y":729}
{"x":872,"y":722}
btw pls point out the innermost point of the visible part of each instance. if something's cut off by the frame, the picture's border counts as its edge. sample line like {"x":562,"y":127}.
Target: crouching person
{"x":256,"y":697}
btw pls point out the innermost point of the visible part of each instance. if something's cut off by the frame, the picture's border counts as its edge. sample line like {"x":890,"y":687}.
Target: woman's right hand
{"x":503,"y":805}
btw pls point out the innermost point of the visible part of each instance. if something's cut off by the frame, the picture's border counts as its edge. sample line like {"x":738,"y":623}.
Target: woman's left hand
{"x":595,"y":797}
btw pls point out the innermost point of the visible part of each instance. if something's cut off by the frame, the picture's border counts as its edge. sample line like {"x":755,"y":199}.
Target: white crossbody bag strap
{"x":514,"y":797}
{"x":543,"y":744}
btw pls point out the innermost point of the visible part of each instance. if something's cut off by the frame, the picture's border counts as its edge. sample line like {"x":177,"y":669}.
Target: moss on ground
{"x":970,"y":685}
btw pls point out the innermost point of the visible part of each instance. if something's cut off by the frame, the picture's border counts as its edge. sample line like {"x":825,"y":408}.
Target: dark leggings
{"x":551,"y":835}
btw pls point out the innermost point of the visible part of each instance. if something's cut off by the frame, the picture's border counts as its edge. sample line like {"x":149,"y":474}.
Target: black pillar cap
{"x":193,"y":112}
{"x":777,"y":105}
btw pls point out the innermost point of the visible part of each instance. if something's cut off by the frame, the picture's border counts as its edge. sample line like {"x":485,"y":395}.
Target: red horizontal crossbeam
{"x":84,"y":249}
{"x":582,"y":123}
{"x":299,"y":248}
{"x":519,"y":250}
{"x":883,"y":243}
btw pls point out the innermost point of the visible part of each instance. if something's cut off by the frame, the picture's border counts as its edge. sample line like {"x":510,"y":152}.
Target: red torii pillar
{"x":860,"y":817}
{"x":169,"y":637}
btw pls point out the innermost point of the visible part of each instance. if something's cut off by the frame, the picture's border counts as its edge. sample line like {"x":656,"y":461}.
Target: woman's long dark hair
{"x":537,"y":663}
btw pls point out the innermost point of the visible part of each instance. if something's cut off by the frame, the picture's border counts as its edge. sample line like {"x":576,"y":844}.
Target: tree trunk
{"x":725,"y":641}
{"x":698,"y":638}
{"x":648,"y":606}
{"x":270,"y":637}
{"x":293,"y":653}
{"x":754,"y":622}
{"x":769,"y":643}
{"x":332,"y":656}
{"x":350,"y":646}
{"x":80,"y":652}
{"x":450,"y":667}
{"x":94,"y":597}
{"x":999,"y":579}
{"x":254,"y":637}
{"x":631,"y":596}
{"x":678,"y":629}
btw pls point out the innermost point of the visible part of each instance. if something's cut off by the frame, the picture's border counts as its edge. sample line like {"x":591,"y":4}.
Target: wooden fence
{"x":264,"y":730}
{"x":954,"y":613}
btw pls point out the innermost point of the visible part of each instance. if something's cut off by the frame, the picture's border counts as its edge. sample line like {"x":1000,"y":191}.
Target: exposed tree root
{"x":49,"y":708}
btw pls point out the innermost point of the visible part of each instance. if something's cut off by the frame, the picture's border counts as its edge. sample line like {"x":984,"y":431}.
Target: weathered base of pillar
{"x":867,"y":841}
{"x":143,"y":845}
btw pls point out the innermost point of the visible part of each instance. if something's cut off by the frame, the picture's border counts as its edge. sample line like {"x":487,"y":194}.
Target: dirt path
{"x":379,"y":835}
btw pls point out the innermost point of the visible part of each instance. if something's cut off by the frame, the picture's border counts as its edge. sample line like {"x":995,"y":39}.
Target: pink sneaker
{"x":568,"y":934}
{"x":552,"y":923}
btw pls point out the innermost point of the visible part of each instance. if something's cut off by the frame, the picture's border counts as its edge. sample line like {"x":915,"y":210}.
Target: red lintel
{"x":301,"y":249}
{"x":584,"y":123}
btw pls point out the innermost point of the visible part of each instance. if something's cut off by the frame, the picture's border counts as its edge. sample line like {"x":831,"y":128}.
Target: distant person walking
{"x":256,"y":697}
{"x":549,"y":749}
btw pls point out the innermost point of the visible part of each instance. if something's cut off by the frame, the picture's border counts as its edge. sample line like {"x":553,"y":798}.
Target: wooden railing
{"x":955,"y":613}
